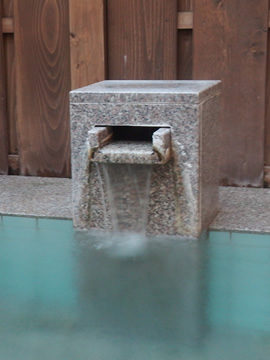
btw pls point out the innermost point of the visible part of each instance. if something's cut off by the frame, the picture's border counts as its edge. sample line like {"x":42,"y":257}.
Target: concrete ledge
{"x":241,"y":209}
{"x":34,"y":196}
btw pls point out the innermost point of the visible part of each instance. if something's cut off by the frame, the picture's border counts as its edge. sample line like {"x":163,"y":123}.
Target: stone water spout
{"x":170,"y":127}
{"x":103,"y":149}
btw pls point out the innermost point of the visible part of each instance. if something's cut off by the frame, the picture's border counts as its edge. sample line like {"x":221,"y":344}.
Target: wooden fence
{"x":51,"y":46}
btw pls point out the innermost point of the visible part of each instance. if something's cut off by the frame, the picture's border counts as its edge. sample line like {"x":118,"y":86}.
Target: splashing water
{"x":128,"y":192}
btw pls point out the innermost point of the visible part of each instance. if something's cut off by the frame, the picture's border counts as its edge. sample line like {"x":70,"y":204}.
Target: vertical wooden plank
{"x":3,"y":114}
{"x":185,"y":42}
{"x":267,"y":112}
{"x":87,"y":42}
{"x":43,"y":83}
{"x":230,"y":39}
{"x":10,"y":82}
{"x":7,"y":7}
{"x":11,"y":92}
{"x":142,"y":39}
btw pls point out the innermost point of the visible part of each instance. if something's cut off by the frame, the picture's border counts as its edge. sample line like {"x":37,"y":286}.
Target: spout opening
{"x":130,"y":144}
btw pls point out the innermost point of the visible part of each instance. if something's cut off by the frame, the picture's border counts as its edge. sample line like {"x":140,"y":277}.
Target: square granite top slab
{"x":147,"y":91}
{"x":241,"y":209}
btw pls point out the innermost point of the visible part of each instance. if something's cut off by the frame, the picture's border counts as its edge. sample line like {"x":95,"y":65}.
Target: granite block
{"x":145,"y":91}
{"x":184,"y":191}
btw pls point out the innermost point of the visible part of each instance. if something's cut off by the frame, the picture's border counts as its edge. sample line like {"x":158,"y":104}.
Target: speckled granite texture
{"x":34,"y":196}
{"x":183,"y":192}
{"x":127,"y":152}
{"x":243,"y":209}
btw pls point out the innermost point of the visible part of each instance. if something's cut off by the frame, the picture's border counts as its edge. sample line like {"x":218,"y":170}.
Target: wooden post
{"x":43,"y":84}
{"x":267,"y":115}
{"x":3,"y":113}
{"x":10,"y":75}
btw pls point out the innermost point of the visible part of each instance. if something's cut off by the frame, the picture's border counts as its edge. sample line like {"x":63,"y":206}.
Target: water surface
{"x":67,"y":295}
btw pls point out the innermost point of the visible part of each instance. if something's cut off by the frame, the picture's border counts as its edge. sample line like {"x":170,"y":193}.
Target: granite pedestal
{"x":184,"y":189}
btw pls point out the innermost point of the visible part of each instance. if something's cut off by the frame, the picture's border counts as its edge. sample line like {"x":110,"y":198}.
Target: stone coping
{"x":241,"y":209}
{"x":35,"y":196}
{"x":171,"y":92}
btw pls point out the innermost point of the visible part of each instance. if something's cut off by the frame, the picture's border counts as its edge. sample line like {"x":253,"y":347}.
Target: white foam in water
{"x":128,"y":245}
{"x":120,"y":245}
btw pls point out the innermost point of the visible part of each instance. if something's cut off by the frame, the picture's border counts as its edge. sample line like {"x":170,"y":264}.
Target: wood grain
{"x":267,"y":112}
{"x":43,"y":83}
{"x":3,"y":114}
{"x":185,"y":5}
{"x":9,"y":51}
{"x":184,"y":46}
{"x":230,"y":40}
{"x":142,"y":39}
{"x":11,"y":93}
{"x":87,"y":42}
{"x":7,"y":7}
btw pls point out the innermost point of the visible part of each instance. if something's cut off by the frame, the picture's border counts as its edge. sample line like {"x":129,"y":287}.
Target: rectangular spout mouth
{"x":129,"y":144}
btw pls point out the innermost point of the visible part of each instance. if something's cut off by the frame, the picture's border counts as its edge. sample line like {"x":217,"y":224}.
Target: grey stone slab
{"x":243,"y":209}
{"x":34,"y":196}
{"x":146,"y":91}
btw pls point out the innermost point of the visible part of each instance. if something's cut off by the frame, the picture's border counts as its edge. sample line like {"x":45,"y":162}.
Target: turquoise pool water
{"x":67,"y":295}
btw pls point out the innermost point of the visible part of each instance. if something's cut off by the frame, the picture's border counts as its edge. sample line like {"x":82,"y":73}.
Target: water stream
{"x":128,"y":193}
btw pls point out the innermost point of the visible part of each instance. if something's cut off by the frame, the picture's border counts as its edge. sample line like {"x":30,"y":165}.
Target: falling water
{"x":128,"y":193}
